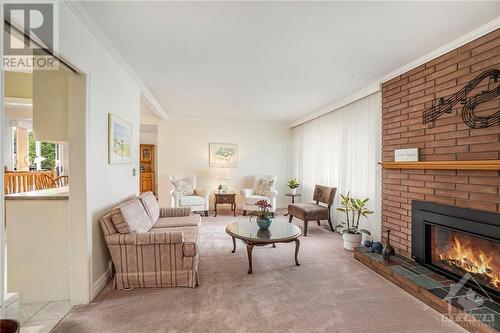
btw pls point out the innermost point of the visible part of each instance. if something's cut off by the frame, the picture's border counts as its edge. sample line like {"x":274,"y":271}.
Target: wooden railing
{"x":25,"y":181}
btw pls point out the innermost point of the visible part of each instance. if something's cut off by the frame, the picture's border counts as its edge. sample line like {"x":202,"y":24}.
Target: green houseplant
{"x":293,"y":184}
{"x":353,"y":209}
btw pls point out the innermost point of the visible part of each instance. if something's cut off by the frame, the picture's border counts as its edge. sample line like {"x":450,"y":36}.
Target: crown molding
{"x":375,"y":86}
{"x":368,"y":90}
{"x":91,"y":25}
{"x":467,"y":38}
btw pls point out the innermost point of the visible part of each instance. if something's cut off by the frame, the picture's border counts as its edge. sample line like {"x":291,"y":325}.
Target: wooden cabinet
{"x":147,"y":158}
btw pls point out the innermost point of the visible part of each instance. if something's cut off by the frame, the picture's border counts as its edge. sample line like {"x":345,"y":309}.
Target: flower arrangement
{"x":263,"y":212}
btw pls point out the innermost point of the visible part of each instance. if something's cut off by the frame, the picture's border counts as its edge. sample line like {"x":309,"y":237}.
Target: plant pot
{"x":264,"y":224}
{"x":293,"y":191}
{"x":351,"y":241}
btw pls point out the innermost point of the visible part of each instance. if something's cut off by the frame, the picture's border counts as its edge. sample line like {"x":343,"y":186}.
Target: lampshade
{"x":223,"y":173}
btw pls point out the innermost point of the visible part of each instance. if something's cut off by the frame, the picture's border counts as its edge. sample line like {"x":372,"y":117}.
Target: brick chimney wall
{"x":404,"y":98}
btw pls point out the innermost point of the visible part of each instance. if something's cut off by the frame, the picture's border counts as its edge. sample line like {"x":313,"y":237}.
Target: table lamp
{"x":223,"y":174}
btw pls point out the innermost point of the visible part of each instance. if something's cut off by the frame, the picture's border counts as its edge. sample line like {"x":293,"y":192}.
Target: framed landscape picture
{"x":119,"y":140}
{"x":223,"y":155}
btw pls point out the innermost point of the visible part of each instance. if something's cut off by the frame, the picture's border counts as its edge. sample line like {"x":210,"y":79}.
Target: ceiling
{"x":274,"y":61}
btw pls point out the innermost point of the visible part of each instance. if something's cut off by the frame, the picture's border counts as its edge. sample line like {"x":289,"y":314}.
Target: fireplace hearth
{"x":457,"y":241}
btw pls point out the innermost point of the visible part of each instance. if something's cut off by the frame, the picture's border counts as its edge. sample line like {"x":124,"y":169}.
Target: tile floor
{"x":37,"y":317}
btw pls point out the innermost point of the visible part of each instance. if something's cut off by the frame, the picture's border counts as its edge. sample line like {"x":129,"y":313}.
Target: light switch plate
{"x":406,"y":155}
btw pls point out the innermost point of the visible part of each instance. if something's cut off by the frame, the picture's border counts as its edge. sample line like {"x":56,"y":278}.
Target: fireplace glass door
{"x":460,"y":253}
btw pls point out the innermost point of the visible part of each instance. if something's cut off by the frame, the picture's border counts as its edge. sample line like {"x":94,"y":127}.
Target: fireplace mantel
{"x":444,"y":165}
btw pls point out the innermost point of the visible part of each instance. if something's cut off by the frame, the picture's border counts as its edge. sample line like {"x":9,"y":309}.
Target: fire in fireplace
{"x":455,"y":241}
{"x":462,"y":253}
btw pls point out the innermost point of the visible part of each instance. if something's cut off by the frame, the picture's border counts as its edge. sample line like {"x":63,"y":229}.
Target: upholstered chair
{"x":264,"y":188}
{"x":315,"y":211}
{"x":186,"y":194}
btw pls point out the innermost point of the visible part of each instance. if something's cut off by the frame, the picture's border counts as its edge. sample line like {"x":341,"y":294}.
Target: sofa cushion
{"x":252,"y":199}
{"x":191,"y":200}
{"x":181,"y":221}
{"x":184,"y":186}
{"x":131,"y":216}
{"x":150,"y":205}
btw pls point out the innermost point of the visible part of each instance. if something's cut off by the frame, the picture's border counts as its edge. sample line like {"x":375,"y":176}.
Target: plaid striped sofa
{"x":152,"y":247}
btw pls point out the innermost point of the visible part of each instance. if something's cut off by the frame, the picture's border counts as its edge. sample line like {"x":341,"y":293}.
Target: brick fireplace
{"x":404,"y":98}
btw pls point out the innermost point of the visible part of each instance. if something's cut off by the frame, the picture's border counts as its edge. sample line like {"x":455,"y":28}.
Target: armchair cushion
{"x":150,"y":205}
{"x":252,"y":199}
{"x":191,"y":200}
{"x":264,"y":187}
{"x":130,"y":217}
{"x":184,"y":186}
{"x":308,"y":211}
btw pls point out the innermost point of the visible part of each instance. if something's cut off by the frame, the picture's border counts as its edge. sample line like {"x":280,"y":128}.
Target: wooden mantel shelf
{"x":444,"y":165}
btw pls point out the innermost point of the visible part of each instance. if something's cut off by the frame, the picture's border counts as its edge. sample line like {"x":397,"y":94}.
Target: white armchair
{"x":250,"y":196}
{"x":198,"y":201}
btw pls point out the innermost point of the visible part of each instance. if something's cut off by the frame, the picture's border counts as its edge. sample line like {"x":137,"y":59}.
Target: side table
{"x":226,"y":198}
{"x":293,"y":198}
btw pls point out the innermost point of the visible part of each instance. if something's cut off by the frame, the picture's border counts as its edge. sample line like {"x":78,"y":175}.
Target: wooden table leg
{"x":297,"y":245}
{"x":215,"y":209}
{"x":234,"y":245}
{"x":249,"y":252}
{"x":234,"y":209}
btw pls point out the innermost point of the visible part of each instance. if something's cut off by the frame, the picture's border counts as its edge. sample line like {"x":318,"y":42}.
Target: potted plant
{"x":263,"y":214}
{"x":353,"y":210}
{"x":293,"y":184}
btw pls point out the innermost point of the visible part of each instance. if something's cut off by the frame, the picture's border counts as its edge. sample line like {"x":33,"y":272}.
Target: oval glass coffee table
{"x":251,"y":235}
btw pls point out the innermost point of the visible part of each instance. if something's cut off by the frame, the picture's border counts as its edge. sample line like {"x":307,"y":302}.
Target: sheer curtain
{"x":341,"y":149}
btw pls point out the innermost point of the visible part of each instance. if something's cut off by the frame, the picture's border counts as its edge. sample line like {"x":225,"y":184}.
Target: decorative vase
{"x":351,"y":241}
{"x":264,"y":223}
{"x":293,"y":191}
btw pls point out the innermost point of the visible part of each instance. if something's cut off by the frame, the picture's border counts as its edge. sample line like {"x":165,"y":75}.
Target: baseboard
{"x":102,"y":281}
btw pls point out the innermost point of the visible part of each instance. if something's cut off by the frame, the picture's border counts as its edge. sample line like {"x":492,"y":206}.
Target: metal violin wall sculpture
{"x":445,"y":105}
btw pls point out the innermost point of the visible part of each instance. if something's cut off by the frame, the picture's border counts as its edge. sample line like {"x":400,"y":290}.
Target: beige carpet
{"x":328,"y":292}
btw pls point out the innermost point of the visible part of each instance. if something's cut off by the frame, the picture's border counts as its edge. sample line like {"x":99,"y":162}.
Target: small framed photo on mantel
{"x":406,"y":155}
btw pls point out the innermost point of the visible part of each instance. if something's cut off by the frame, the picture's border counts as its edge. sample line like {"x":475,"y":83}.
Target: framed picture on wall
{"x":119,"y":140}
{"x":223,"y":155}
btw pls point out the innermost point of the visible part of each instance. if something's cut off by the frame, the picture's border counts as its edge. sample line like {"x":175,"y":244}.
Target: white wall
{"x":263,"y":148}
{"x":110,"y":89}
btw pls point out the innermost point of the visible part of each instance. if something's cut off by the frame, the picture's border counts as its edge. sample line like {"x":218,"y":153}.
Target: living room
{"x":279,"y":166}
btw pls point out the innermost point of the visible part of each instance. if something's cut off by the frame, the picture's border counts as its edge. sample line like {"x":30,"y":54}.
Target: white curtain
{"x":341,"y":149}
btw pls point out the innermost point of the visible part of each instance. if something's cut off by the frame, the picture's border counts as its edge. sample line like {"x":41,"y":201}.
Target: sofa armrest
{"x":189,"y":249}
{"x":146,"y":238}
{"x":273,"y":194}
{"x":246,"y":192}
{"x":175,"y":212}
